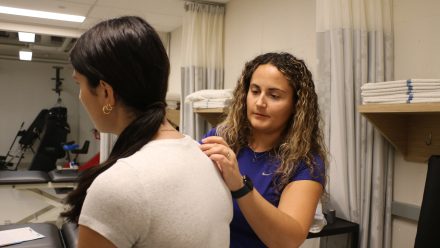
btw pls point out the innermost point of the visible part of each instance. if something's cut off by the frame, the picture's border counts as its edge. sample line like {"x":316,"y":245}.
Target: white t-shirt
{"x":168,"y":194}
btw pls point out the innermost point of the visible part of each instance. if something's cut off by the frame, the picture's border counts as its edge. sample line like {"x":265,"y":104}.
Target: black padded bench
{"x":52,"y":235}
{"x":69,"y":232}
{"x":51,"y":179}
{"x":23,"y":177}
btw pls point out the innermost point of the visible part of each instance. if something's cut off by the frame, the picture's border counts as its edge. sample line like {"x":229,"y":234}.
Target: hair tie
{"x":156,"y":105}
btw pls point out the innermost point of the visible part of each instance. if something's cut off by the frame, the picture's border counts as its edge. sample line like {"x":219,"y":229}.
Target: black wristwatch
{"x":247,"y":187}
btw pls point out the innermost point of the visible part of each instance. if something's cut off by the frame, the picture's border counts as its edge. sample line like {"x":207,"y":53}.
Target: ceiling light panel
{"x":25,"y":55}
{"x":41,"y":14}
{"x":26,"y":37}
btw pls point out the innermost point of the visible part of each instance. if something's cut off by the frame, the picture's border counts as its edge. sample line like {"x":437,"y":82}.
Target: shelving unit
{"x":413,"y":129}
{"x":213,"y":115}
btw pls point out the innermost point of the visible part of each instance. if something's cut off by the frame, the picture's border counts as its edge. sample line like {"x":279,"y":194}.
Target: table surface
{"x":338,"y":227}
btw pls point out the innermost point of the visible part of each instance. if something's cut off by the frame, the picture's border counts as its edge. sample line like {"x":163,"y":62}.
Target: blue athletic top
{"x":260,"y":167}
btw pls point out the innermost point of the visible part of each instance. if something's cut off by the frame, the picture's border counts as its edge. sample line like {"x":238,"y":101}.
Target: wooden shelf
{"x":413,"y":129}
{"x":213,"y":115}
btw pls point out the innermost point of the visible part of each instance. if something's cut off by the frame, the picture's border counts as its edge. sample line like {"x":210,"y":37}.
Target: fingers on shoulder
{"x":214,"y":139}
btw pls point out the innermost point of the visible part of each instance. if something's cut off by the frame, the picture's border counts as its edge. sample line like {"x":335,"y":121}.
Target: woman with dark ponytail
{"x":156,"y":189}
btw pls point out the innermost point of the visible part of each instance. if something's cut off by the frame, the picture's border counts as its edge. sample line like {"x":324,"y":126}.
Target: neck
{"x":167,"y":131}
{"x":166,"y":126}
{"x":261,"y":141}
{"x":122,"y":121}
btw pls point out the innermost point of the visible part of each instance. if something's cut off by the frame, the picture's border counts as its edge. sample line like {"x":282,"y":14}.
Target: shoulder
{"x":315,"y":171}
{"x":153,"y":152}
{"x":212,"y":132}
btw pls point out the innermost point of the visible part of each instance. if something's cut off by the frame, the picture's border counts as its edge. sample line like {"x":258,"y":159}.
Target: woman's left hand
{"x":218,"y":150}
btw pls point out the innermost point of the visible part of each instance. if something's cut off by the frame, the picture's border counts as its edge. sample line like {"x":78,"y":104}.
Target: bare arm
{"x":89,"y":238}
{"x":285,"y":226}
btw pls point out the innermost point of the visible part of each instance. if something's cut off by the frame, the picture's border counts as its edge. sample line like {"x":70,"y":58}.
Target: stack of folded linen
{"x":402,"y":91}
{"x":210,"y":98}
{"x":173,"y":100}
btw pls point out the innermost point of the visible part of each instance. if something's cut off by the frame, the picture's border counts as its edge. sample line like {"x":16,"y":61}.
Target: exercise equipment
{"x":52,"y":139}
{"x":26,"y":141}
{"x":73,"y":148}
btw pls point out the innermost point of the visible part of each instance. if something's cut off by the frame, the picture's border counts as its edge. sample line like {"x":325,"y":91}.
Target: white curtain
{"x":355,"y":46}
{"x":106,"y":143}
{"x":202,"y":53}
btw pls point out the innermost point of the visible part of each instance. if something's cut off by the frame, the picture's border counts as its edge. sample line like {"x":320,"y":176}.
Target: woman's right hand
{"x":218,"y":150}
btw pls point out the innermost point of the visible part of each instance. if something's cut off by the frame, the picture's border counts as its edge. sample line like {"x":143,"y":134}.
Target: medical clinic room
{"x":220,"y":123}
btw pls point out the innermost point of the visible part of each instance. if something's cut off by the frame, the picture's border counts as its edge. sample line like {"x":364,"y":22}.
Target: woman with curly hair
{"x":271,"y":153}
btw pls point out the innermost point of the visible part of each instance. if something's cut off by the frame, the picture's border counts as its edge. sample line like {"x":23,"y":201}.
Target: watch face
{"x":248,"y":182}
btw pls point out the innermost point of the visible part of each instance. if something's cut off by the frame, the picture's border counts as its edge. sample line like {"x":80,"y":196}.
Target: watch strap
{"x":247,"y":187}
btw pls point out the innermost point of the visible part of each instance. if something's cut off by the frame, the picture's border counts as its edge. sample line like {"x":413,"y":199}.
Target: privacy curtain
{"x":106,"y":142}
{"x":202,"y":53}
{"x":355,"y":46}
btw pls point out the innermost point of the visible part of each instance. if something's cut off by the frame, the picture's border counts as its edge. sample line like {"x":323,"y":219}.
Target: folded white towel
{"x":214,"y":100}
{"x":208,"y":105}
{"x":399,"y":86}
{"x":366,"y":101}
{"x":384,"y":98}
{"x":413,"y":88}
{"x":424,"y":100}
{"x":429,"y":94}
{"x":418,"y":81}
{"x":368,"y":93}
{"x":208,"y":94}
{"x":399,"y":100}
{"x":401,"y":83}
{"x":387,"y":84}
{"x":212,"y":103}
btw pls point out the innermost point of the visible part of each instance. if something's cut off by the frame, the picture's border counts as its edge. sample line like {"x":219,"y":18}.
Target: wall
{"x":416,"y":48}
{"x":257,"y":26}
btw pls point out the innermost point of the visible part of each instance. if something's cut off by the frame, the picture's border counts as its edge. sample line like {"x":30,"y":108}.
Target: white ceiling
{"x":163,"y":15}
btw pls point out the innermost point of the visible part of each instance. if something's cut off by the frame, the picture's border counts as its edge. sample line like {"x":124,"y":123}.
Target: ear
{"x":108,"y":95}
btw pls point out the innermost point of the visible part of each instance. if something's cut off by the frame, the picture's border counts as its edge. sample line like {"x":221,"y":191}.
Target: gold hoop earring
{"x":106,"y":109}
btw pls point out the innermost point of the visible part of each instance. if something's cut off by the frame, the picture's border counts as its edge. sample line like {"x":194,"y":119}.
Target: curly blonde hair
{"x":302,"y":138}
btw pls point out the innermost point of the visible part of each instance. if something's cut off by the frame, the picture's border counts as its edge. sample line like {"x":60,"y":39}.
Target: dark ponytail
{"x":126,"y":53}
